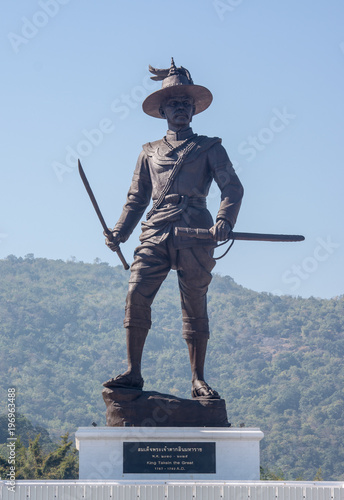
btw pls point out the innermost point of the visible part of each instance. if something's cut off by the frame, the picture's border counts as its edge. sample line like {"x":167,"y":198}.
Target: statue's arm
{"x":138,"y":199}
{"x":230,"y":186}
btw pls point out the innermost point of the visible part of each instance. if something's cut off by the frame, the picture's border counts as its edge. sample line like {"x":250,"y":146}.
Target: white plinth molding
{"x":101,"y":451}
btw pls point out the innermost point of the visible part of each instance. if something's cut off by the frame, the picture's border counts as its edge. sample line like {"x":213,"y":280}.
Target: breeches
{"x":152,"y":263}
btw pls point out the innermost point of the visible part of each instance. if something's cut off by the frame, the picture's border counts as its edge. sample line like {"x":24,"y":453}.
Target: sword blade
{"x":92,"y":198}
{"x":98,"y":212}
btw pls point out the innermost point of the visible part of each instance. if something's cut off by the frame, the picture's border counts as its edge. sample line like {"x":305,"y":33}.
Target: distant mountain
{"x":277,"y":361}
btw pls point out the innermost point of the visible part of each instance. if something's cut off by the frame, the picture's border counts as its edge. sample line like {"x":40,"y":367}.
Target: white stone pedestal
{"x":168,"y":453}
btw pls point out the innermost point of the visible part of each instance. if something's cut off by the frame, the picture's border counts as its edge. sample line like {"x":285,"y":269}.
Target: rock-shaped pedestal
{"x":132,"y":407}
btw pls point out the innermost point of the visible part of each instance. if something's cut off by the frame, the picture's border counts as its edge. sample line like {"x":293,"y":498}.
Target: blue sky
{"x":75,"y":73}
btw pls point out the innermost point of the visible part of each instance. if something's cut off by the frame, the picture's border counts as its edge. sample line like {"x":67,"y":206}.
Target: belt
{"x":192,"y":201}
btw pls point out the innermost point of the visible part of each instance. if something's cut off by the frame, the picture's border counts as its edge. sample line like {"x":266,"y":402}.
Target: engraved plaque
{"x":169,"y":458}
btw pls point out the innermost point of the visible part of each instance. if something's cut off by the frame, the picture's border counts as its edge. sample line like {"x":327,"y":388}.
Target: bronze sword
{"x":98,"y":212}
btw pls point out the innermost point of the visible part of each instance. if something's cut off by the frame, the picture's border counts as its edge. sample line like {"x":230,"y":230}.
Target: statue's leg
{"x":132,"y":377}
{"x":136,"y":338}
{"x":197,"y":350}
{"x":148,"y":271}
{"x":194,"y":276}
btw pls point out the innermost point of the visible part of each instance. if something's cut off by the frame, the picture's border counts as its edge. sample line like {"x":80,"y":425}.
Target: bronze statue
{"x":176,"y":173}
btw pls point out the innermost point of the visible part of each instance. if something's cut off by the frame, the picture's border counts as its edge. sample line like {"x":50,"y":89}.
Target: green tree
{"x":33,"y":463}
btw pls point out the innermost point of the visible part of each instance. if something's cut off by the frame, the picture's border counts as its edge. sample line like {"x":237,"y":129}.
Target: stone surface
{"x":137,"y":408}
{"x":101,"y":452}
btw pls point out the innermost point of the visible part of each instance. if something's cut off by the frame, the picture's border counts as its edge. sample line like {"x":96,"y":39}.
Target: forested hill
{"x":277,"y":361}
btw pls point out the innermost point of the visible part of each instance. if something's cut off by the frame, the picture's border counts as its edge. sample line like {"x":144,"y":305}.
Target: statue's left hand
{"x":221,"y":230}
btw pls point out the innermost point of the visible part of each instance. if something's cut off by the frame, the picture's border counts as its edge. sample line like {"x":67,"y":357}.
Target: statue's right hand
{"x":112,"y":239}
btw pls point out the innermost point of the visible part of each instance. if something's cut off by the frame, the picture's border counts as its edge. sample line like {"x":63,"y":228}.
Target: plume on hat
{"x":161,"y":74}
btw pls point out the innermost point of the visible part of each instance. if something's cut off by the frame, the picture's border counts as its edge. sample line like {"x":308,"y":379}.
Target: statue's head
{"x":178,"y":109}
{"x":178,"y":90}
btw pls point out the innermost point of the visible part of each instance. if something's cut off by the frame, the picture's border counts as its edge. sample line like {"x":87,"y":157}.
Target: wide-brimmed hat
{"x":175,"y":81}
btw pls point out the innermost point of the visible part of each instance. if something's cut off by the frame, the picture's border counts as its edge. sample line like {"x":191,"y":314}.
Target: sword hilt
{"x":109,"y":236}
{"x":122,"y":259}
{"x":200,"y":233}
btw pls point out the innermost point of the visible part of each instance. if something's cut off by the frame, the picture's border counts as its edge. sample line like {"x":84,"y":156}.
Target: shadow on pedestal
{"x":132,"y":407}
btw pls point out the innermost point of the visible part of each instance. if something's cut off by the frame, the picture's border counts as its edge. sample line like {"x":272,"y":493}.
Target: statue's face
{"x":178,"y":110}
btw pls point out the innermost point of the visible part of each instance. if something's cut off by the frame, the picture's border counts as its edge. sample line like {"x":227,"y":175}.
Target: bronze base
{"x":132,"y":407}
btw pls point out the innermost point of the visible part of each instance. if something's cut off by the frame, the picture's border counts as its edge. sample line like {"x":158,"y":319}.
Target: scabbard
{"x":207,"y":235}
